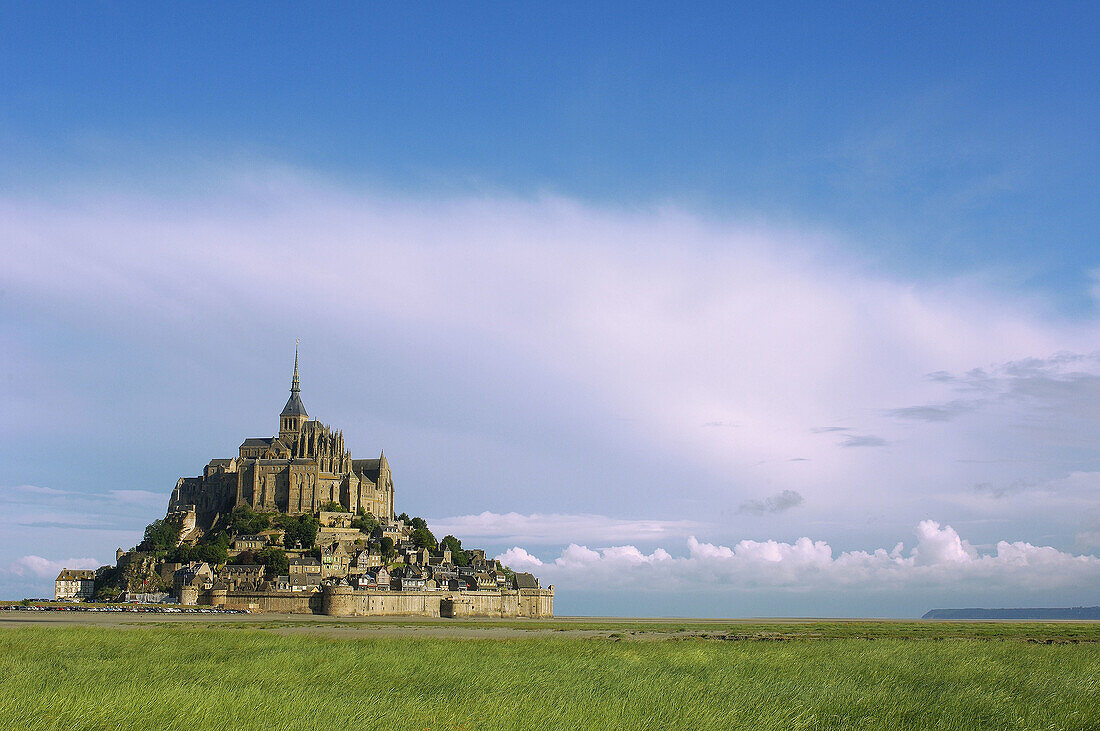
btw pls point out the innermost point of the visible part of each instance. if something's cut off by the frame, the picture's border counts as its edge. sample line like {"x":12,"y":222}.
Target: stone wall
{"x":346,"y":602}
{"x":343,"y":601}
{"x":521,"y":603}
{"x":288,"y":602}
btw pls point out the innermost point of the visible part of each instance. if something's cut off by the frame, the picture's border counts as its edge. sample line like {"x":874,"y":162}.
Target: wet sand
{"x":364,"y":627}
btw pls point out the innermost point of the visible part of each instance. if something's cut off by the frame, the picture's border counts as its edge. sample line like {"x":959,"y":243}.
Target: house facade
{"x":74,"y":584}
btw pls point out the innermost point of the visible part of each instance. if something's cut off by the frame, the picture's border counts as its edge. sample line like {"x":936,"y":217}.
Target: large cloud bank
{"x":542,"y":529}
{"x":44,"y":568}
{"x":940,"y":559}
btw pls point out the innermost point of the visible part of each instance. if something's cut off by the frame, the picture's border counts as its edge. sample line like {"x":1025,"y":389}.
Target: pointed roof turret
{"x":294,"y":406}
{"x":294,"y":379}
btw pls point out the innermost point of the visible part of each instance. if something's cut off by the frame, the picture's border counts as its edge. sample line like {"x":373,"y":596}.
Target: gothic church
{"x":303,"y":468}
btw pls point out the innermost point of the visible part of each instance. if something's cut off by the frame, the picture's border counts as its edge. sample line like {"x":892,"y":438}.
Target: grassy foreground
{"x":179,"y":677}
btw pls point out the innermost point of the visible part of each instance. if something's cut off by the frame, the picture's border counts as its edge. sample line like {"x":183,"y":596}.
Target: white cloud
{"x":35,"y":490}
{"x":44,"y":568}
{"x":140,"y":497}
{"x":582,"y":557}
{"x":30,"y":494}
{"x":937,"y":545}
{"x":539,"y":529}
{"x":940,"y":558}
{"x":519,"y":559}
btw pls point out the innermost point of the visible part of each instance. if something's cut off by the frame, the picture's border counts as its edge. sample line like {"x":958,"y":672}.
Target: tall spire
{"x":294,"y":382}
{"x":294,"y":406}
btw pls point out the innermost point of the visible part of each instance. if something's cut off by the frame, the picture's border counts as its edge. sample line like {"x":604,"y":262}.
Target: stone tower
{"x":294,"y":413}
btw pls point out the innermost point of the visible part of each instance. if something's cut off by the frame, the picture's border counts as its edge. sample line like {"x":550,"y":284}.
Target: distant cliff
{"x":1033,"y":613}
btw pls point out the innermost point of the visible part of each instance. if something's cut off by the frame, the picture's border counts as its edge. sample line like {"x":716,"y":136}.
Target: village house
{"x":380,"y":577}
{"x":249,"y":543}
{"x":197,"y":574}
{"x":461,"y":584}
{"x":304,"y":582}
{"x":335,"y":559}
{"x":306,"y":565}
{"x":409,"y":581}
{"x":366,"y":559}
{"x":239,"y":575}
{"x":74,"y":584}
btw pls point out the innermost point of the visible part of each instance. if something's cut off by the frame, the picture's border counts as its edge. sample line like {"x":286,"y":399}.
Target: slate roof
{"x":74,"y":574}
{"x":294,"y":406}
{"x":304,"y":562}
{"x":258,"y":442}
{"x":244,"y":568}
{"x":525,"y":581}
{"x":304,"y":580}
{"x":368,"y":469}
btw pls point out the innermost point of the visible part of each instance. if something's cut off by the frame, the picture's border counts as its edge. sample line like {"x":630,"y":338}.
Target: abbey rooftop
{"x":294,"y":524}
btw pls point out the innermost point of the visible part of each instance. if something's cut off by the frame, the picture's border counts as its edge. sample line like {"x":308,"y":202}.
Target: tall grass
{"x":197,"y":678}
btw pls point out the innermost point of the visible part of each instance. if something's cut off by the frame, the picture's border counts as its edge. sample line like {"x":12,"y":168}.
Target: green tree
{"x":275,"y":559}
{"x":108,"y":594}
{"x":333,"y":507}
{"x":423,"y":538}
{"x":161,"y":535}
{"x":212,"y":553}
{"x":417,"y":523}
{"x":107,"y":580}
{"x":458,"y":556}
{"x":298,"y":531}
{"x":245,"y":521}
{"x":386,"y":547}
{"x":244,"y":558}
{"x":404,"y":517}
{"x":180,"y":554}
{"x":365,"y":523}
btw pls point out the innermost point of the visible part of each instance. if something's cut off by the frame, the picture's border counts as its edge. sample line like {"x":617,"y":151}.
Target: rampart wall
{"x":287,"y":602}
{"x":342,"y":601}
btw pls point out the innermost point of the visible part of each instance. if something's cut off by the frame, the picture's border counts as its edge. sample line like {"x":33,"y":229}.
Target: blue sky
{"x":610,"y":264}
{"x":952,"y":137}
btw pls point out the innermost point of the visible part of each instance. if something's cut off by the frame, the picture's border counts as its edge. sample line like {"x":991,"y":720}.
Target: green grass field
{"x":633,"y":675}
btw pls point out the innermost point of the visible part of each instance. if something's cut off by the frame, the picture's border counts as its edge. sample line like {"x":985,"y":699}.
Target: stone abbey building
{"x":303,"y":468}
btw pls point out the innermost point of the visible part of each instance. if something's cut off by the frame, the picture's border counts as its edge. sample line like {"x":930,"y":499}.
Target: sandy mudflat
{"x":351,"y":627}
{"x":605,"y":628}
{"x":348,"y":627}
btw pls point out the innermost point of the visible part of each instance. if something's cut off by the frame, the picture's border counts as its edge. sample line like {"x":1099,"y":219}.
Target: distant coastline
{"x":1032,"y":613}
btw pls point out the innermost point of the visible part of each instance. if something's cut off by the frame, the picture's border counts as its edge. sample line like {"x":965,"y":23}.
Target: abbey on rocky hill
{"x":294,"y":524}
{"x":306,"y":466}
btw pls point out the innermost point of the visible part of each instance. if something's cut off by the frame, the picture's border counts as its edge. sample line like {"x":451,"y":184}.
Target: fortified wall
{"x":343,"y":601}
